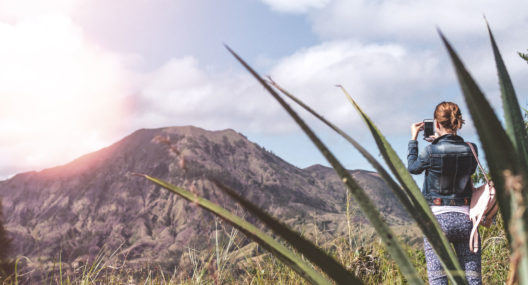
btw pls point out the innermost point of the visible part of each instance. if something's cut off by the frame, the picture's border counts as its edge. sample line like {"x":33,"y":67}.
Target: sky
{"x":78,"y":75}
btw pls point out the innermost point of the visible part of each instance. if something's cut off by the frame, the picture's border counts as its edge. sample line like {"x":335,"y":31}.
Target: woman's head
{"x":448,"y":115}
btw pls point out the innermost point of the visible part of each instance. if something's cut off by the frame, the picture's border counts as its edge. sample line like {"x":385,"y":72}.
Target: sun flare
{"x":61,"y":96}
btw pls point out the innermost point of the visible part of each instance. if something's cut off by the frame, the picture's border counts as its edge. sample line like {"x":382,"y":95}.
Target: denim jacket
{"x":448,"y":163}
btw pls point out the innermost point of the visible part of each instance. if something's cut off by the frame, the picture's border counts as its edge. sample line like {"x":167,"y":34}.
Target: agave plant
{"x":317,"y":256}
{"x":523,"y":56}
{"x":506,"y":152}
{"x":526,"y":117}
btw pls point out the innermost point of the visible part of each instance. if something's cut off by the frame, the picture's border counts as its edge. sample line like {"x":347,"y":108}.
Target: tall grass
{"x":6,"y":264}
{"x":367,"y":258}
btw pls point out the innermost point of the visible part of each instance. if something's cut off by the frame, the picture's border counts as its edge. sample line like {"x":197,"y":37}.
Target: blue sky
{"x":78,"y":75}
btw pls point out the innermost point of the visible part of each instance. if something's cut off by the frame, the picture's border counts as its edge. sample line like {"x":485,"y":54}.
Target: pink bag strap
{"x":478,"y":162}
{"x":474,"y":236}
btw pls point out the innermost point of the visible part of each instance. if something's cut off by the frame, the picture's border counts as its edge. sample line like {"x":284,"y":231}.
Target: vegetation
{"x":507,"y":154}
{"x":383,"y":259}
{"x":523,"y":56}
{"x":525,"y":119}
{"x":230,"y":261}
{"x":6,"y":265}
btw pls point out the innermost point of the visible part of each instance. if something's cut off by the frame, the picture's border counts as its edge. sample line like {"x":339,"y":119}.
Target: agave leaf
{"x":422,"y":216}
{"x":389,"y":239}
{"x":408,"y":203}
{"x":289,"y":258}
{"x":317,"y":256}
{"x":503,"y":161}
{"x":526,"y":122}
{"x":523,"y":55}
{"x":498,"y":148}
{"x":516,"y":130}
{"x":422,"y":212}
{"x":512,"y":111}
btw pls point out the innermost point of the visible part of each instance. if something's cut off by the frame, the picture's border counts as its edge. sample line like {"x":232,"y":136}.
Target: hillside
{"x":94,"y":202}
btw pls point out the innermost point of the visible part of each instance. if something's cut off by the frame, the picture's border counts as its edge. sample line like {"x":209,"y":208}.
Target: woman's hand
{"x":432,"y":138}
{"x":415,"y":129}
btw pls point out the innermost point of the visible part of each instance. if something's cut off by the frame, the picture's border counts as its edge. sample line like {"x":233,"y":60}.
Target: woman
{"x":448,"y":163}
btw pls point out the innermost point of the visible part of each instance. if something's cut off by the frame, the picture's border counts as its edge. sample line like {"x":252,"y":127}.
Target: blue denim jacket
{"x":448,"y":163}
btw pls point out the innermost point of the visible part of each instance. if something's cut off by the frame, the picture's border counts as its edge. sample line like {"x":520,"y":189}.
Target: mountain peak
{"x":91,"y":202}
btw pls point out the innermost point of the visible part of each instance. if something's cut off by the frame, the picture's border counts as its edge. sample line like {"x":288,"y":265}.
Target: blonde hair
{"x":449,"y":116}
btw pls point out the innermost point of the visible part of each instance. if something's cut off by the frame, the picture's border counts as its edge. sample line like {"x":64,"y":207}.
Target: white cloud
{"x":295,"y":6}
{"x":412,"y":25}
{"x":15,"y":10}
{"x":181,"y":93}
{"x":61,"y":95}
{"x":387,"y":54}
{"x":387,"y":80}
{"x":394,"y":85}
{"x":410,"y":62}
{"x":416,"y":20}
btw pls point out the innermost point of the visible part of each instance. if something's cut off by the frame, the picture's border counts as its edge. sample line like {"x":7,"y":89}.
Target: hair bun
{"x":449,"y":116}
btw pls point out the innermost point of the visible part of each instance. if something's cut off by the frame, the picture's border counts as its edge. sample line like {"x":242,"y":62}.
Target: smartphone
{"x":428,"y":128}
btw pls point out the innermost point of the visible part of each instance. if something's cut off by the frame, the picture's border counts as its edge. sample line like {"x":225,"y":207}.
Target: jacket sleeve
{"x":417,"y":163}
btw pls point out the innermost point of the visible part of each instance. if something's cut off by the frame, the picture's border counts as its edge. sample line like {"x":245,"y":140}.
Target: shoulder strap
{"x":474,"y":236}
{"x":478,"y":162}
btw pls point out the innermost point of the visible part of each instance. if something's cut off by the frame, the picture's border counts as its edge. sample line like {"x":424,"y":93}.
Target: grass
{"x":234,"y":259}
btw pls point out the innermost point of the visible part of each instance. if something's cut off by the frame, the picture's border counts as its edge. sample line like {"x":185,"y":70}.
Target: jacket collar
{"x":448,"y":137}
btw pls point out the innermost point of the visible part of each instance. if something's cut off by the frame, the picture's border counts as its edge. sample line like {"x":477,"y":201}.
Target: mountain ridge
{"x":92,"y":202}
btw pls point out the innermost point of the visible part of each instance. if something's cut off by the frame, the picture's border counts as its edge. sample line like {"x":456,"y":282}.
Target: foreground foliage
{"x":506,"y":151}
{"x":367,"y":258}
{"x":6,"y":265}
{"x":388,"y":259}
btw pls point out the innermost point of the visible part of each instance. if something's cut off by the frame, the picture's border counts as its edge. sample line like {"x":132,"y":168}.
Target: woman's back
{"x":452,"y":164}
{"x":448,"y":163}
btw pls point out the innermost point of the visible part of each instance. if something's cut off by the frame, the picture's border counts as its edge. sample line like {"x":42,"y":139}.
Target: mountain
{"x":78,"y":209}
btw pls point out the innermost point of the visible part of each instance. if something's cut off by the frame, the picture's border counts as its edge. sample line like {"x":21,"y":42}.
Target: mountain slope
{"x":92,"y":202}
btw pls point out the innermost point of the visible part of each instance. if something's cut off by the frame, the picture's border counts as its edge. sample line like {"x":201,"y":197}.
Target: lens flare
{"x":60,"y":95}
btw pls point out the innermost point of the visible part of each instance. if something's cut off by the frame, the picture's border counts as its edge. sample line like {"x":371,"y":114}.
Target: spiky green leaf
{"x":398,"y":191}
{"x":516,"y":130}
{"x":421,"y":212}
{"x":504,"y":162}
{"x":317,"y":256}
{"x":284,"y":254}
{"x":523,"y":56}
{"x":512,"y":110}
{"x":368,"y":208}
{"x":498,"y":148}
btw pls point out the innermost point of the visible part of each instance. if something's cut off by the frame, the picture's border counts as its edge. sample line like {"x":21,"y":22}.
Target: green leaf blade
{"x":505,"y":163}
{"x":317,"y":256}
{"x":497,"y":146}
{"x":388,"y":238}
{"x":291,"y":259}
{"x":516,"y":130}
{"x":407,"y":202}
{"x":422,"y":212}
{"x":512,"y":110}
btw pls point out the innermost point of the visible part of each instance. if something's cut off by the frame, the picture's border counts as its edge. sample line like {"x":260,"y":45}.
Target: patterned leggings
{"x":457,"y":228}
